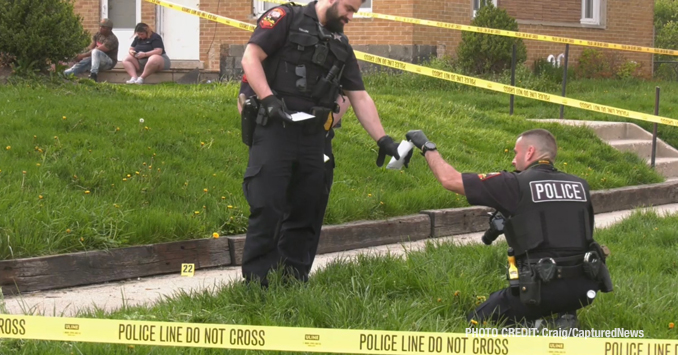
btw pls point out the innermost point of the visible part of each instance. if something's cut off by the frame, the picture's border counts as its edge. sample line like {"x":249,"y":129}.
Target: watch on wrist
{"x":428,"y":146}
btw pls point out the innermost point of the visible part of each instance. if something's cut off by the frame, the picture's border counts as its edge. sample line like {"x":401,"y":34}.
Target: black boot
{"x":93,"y":76}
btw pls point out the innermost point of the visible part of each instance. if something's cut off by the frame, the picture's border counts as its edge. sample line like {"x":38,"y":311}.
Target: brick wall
{"x":90,"y":11}
{"x":628,"y":22}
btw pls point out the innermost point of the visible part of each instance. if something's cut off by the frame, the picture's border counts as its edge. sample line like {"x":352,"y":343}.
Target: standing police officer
{"x":549,"y":227}
{"x":297,"y":60}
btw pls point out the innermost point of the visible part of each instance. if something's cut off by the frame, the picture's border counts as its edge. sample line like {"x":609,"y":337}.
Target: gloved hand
{"x":386,"y":147}
{"x":406,"y":161}
{"x":275,"y":108}
{"x":417,"y":137}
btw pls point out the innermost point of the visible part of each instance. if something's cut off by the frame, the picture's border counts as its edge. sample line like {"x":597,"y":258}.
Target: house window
{"x":260,"y":6}
{"x":590,"y":12}
{"x":477,"y":4}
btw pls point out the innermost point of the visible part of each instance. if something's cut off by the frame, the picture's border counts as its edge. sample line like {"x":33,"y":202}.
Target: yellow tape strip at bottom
{"x":462,"y":79}
{"x":346,"y":341}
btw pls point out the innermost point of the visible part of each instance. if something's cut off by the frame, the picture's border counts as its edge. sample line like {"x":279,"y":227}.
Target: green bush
{"x":665,"y":11}
{"x":37,"y":33}
{"x":593,"y":64}
{"x":482,"y":53}
{"x":628,"y":70}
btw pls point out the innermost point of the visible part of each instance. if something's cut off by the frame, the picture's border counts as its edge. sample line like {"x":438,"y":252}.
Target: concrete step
{"x":619,"y":130}
{"x":668,"y":167}
{"x":176,"y":64}
{"x":643,"y":147}
{"x":119,"y":76}
{"x":185,"y":76}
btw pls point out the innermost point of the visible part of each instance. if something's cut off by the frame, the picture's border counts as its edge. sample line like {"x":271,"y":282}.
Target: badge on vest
{"x":556,"y":190}
{"x":272,"y":18}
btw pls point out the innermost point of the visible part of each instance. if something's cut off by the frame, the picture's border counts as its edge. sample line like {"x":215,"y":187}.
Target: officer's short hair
{"x":543,"y":141}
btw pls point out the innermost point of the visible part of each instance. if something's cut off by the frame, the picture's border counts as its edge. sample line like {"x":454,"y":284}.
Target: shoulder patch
{"x":272,"y":18}
{"x":484,"y":177}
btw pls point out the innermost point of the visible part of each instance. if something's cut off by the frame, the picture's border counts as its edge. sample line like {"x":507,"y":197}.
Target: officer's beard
{"x":333,"y":20}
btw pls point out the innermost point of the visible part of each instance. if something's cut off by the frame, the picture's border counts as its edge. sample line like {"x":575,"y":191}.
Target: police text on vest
{"x":557,"y":190}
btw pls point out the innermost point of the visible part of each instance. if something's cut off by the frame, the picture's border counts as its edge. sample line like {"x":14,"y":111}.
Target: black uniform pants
{"x":284,"y":184}
{"x":557,"y":296}
{"x":329,"y":179}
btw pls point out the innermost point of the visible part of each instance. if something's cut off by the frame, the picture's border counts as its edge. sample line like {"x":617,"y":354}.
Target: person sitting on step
{"x":146,"y":55}
{"x":102,"y":53}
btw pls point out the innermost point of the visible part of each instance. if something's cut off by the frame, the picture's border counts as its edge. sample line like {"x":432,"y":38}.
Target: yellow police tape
{"x":440,"y":74}
{"x":348,"y":341}
{"x":506,"y":33}
{"x":508,"y":89}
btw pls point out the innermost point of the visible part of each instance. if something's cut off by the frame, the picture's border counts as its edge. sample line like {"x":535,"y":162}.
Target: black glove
{"x":406,"y":161}
{"x":417,"y":137}
{"x":275,"y":108}
{"x":386,"y":147}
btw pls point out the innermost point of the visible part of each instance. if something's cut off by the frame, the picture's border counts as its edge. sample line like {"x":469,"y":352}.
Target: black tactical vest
{"x":553,"y":216}
{"x":306,"y":71}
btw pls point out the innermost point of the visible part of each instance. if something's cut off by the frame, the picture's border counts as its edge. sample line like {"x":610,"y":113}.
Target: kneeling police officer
{"x":547,"y":218}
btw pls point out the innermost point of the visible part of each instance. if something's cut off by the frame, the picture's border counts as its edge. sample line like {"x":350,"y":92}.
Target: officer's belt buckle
{"x":546,"y":268}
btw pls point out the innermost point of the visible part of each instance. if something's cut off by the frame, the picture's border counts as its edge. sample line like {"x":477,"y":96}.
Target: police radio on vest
{"x":557,"y":190}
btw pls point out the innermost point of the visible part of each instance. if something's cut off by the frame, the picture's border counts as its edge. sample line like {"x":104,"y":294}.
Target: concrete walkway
{"x":111,"y":296}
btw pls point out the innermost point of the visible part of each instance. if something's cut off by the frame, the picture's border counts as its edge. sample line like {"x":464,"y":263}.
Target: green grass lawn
{"x":430,"y":290}
{"x":79,"y":171}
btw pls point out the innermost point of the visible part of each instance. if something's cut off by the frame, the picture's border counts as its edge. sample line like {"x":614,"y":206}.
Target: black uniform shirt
{"x":497,"y":190}
{"x":271,"y":35}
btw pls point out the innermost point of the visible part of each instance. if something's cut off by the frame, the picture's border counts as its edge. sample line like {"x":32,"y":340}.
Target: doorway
{"x":180,"y":32}
{"x":125,"y":15}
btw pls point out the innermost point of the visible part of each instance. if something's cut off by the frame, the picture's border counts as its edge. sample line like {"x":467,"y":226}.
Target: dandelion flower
{"x":86,"y":192}
{"x":63,"y":118}
{"x":82,"y":239}
{"x":204,"y":190}
{"x":40,"y":197}
{"x":68,"y":230}
{"x":456,"y":293}
{"x":229,"y":206}
{"x":129,"y":176}
{"x":8,"y":147}
{"x":215,"y":235}
{"x":369,"y":195}
{"x":197,"y":212}
{"x":671,"y":325}
{"x":223,"y":197}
